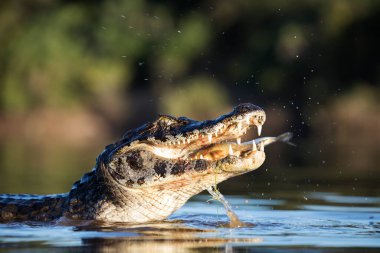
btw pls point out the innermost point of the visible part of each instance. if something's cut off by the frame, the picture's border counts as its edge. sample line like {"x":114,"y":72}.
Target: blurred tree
{"x":191,"y":58}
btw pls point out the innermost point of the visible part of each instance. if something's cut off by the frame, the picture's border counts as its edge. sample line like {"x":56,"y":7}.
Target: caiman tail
{"x":21,"y":207}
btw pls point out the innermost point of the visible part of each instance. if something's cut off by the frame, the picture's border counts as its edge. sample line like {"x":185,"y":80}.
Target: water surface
{"x":319,"y":222}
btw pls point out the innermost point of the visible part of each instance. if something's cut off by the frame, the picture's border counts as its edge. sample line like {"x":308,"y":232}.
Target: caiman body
{"x":151,"y":171}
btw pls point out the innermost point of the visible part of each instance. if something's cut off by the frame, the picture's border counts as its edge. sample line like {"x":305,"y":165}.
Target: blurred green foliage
{"x":126,"y":61}
{"x":64,"y":53}
{"x":198,"y":92}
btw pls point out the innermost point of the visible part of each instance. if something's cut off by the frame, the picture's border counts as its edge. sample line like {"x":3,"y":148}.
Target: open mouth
{"x":217,"y":141}
{"x":229,"y":143}
{"x":219,"y":151}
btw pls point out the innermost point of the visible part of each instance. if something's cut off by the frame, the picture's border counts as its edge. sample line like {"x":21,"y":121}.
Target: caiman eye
{"x":167,"y":120}
{"x":185,"y":120}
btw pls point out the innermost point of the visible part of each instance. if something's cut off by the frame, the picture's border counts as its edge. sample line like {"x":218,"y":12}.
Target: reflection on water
{"x":328,"y":220}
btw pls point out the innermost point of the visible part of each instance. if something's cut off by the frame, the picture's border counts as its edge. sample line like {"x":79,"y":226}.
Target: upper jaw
{"x":186,"y":141}
{"x":223,"y":138}
{"x":230,"y":126}
{"x":219,"y":138}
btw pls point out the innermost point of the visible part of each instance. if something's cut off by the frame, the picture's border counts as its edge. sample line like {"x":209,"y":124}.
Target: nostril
{"x":261,"y":119}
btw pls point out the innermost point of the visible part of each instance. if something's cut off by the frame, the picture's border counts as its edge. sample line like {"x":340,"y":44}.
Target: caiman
{"x":151,"y":171}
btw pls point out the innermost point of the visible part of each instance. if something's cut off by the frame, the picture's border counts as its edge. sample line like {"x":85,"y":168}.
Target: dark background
{"x":74,"y":75}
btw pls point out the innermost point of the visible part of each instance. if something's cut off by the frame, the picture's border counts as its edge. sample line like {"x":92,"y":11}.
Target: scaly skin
{"x":150,"y":172}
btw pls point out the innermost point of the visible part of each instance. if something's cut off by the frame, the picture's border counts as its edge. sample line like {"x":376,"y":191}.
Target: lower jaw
{"x":219,"y":151}
{"x":234,"y":164}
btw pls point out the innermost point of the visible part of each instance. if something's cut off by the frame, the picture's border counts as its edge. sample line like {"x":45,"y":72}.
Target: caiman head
{"x":154,"y":169}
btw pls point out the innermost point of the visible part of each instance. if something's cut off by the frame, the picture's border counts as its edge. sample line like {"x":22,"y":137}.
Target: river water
{"x":281,"y":216}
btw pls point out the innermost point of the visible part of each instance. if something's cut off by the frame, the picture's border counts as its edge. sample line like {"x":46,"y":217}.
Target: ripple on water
{"x":325,"y":220}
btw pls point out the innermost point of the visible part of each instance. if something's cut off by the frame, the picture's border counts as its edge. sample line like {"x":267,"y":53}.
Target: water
{"x":317,"y":222}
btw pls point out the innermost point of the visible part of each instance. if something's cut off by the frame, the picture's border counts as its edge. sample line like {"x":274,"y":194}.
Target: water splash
{"x":234,"y":219}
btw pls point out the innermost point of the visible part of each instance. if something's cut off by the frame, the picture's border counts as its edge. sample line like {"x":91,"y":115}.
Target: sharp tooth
{"x":247,"y":120}
{"x":239,"y":126}
{"x":216,"y":134}
{"x":238,"y":140}
{"x":201,"y":157}
{"x":261,"y":146}
{"x":254,"y":147}
{"x":209,"y":138}
{"x":259,"y":128}
{"x":188,"y":141}
{"x":230,"y":150}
